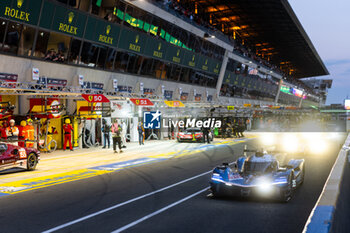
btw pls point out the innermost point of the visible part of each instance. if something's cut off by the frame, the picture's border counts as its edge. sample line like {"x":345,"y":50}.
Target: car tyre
{"x":302,"y":175}
{"x":32,"y":161}
{"x":286,"y":193}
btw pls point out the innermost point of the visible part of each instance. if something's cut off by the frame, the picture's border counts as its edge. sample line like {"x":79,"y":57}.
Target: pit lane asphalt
{"x":44,"y":209}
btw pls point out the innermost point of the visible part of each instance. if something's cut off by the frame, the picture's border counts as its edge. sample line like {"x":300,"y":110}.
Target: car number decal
{"x":22,"y":153}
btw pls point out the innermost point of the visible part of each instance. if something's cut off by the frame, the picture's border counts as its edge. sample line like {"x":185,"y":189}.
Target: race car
{"x":16,"y":156}
{"x":258,"y":175}
{"x":192,"y":135}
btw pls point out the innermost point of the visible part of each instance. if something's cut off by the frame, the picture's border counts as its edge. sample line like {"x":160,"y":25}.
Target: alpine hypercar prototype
{"x":258,"y":175}
{"x":16,"y":156}
{"x":192,"y":135}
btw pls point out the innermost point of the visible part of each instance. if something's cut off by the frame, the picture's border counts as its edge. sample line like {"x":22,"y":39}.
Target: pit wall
{"x":331,"y":213}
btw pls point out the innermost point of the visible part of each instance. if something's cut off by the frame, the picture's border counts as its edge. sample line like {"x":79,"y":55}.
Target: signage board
{"x":95,"y":98}
{"x":26,"y":11}
{"x":141,"y":102}
{"x":230,"y":107}
{"x":81,"y":80}
{"x":174,"y":104}
{"x":132,"y":41}
{"x":102,"y":32}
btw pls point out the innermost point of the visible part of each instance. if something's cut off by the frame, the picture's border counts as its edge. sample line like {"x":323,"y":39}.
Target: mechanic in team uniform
{"x":29,"y":133}
{"x":12,"y":133}
{"x":116,"y":135}
{"x":21,"y":135}
{"x":206,"y":131}
{"x":141,"y":131}
{"x":106,"y":129}
{"x":67,"y":129}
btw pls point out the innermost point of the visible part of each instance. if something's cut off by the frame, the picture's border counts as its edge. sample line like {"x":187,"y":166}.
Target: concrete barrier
{"x":332,"y":210}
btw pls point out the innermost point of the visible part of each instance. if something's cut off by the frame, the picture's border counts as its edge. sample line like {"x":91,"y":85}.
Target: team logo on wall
{"x":193,"y":57}
{"x":178,"y":52}
{"x":137,"y":39}
{"x":70,"y":17}
{"x":19,"y":3}
{"x":108,"y":29}
{"x":159,"y":46}
{"x":151,"y":120}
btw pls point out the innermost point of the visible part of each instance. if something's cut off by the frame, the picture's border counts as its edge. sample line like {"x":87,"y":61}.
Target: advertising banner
{"x":26,"y":11}
{"x":95,"y":98}
{"x":174,"y":104}
{"x":175,"y":54}
{"x":132,"y":41}
{"x":141,"y":102}
{"x":156,"y":48}
{"x":64,"y":20}
{"x":81,"y":80}
{"x":102,"y":32}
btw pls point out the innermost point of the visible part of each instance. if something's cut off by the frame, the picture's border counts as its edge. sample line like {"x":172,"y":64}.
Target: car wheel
{"x":302,"y":175}
{"x":32,"y":161}
{"x":216,"y":190}
{"x":286,"y":193}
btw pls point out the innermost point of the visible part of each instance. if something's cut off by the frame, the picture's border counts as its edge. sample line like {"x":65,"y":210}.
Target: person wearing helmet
{"x":67,"y":129}
{"x":21,"y":135}
{"x":29,"y":132}
{"x":12,"y":133}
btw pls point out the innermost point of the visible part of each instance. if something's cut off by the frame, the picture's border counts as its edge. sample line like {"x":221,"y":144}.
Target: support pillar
{"x":278,"y":91}
{"x":222,"y":73}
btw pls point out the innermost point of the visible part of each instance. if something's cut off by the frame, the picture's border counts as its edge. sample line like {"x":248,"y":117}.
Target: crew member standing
{"x":106,"y":128}
{"x":141,"y":131}
{"x":206,"y":134}
{"x":29,"y":133}
{"x":116,"y":135}
{"x":22,"y":133}
{"x":67,"y":129}
{"x":12,"y":133}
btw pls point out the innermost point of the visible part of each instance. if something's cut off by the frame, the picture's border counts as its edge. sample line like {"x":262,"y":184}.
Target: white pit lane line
{"x":158,"y":211}
{"x":123,"y":203}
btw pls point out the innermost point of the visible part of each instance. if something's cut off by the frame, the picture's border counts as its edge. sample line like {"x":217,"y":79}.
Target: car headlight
{"x":268,"y":139}
{"x":265,"y":188}
{"x":290,"y":143}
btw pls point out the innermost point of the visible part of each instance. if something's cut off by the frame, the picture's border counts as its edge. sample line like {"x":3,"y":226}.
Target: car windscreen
{"x":253,"y":167}
{"x":3,"y":148}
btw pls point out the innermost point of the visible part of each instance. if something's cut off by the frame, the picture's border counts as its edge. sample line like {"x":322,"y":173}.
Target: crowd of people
{"x":52,"y":55}
{"x":18,"y":135}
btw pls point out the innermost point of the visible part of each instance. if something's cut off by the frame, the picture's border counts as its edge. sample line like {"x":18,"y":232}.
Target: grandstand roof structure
{"x":269,"y":25}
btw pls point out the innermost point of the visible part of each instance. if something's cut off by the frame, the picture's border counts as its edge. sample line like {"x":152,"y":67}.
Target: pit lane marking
{"x":159,"y":211}
{"x":125,"y":203}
